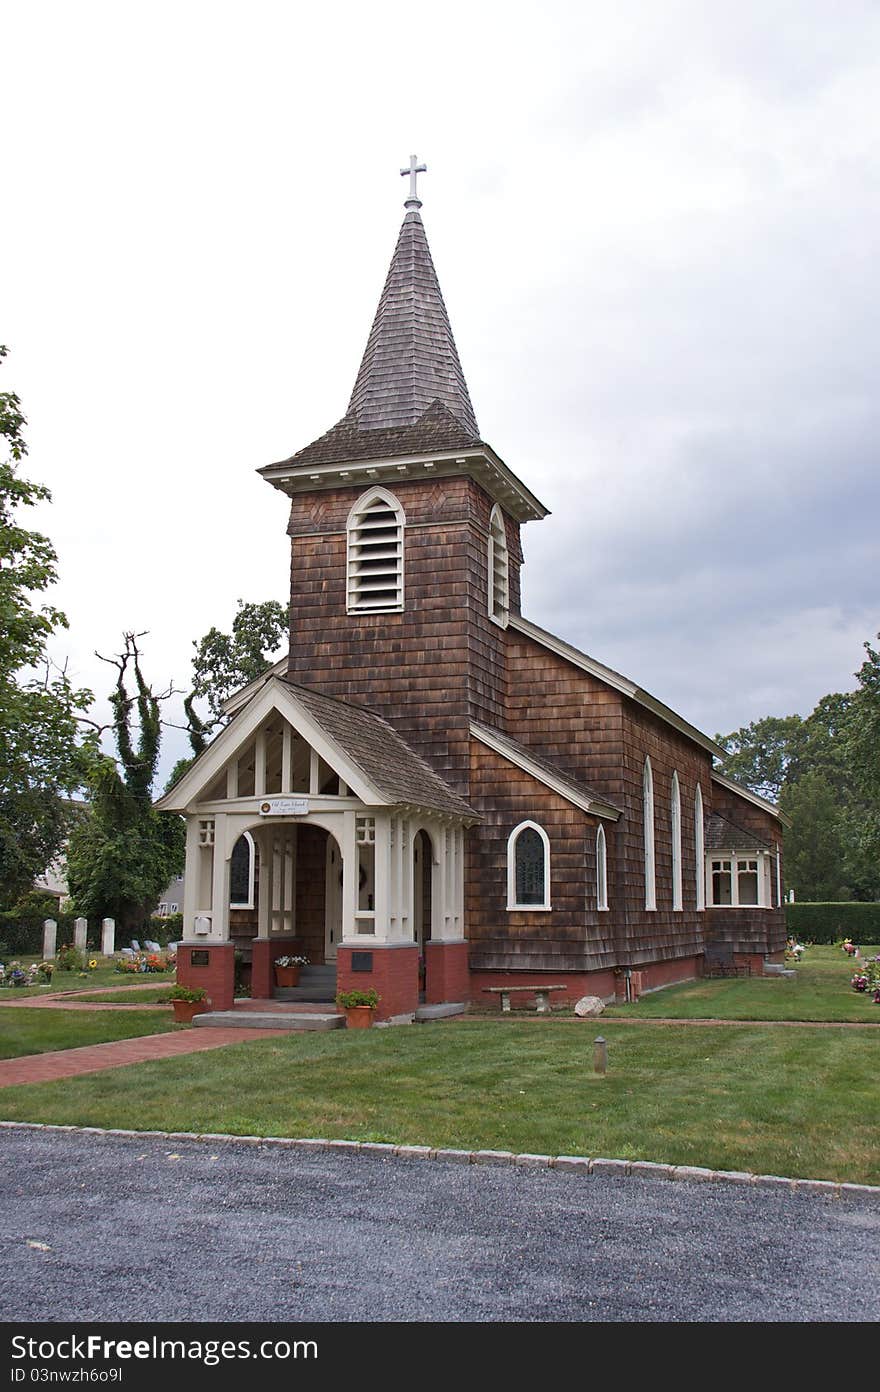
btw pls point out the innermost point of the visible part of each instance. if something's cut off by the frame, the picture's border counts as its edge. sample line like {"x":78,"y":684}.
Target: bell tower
{"x":405,"y":530}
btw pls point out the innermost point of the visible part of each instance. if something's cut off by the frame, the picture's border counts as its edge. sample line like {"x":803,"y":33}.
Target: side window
{"x":241,"y":873}
{"x":528,"y":867}
{"x":498,"y":568}
{"x":601,"y":870}
{"x":648,"y":820}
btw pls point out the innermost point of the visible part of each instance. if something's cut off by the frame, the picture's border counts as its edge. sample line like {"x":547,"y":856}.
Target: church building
{"x":431,"y":794}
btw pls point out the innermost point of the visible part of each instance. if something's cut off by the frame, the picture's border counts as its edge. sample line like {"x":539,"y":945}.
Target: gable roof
{"x":615,"y":680}
{"x":374,"y":760}
{"x":541,"y":769}
{"x":723,"y":835}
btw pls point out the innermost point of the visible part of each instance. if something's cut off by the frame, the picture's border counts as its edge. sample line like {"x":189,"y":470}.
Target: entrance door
{"x":332,"y":901}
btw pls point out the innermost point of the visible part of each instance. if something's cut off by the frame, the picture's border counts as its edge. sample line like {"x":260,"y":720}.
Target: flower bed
{"x":143,"y":962}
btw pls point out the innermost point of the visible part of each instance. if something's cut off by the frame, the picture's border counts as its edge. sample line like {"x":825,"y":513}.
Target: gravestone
{"x":80,"y":933}
{"x":108,"y":936}
{"x":50,"y":933}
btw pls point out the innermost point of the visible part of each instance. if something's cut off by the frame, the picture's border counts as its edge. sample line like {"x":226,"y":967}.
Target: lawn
{"x":150,"y":995}
{"x":39,"y":1031}
{"x":104,"y":974}
{"x":820,"y":991}
{"x":796,"y":1101}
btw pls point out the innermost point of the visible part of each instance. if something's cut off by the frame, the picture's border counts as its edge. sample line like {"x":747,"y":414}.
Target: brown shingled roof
{"x":385,"y":759}
{"x":436,"y":429}
{"x":722,"y":835}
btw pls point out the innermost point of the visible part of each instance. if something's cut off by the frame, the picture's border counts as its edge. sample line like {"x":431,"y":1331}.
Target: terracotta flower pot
{"x":359,"y":1016}
{"x":287,"y":976}
{"x":185,"y":1010}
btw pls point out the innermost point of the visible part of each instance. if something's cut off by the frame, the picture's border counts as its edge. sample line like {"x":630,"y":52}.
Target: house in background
{"x":437,"y":795}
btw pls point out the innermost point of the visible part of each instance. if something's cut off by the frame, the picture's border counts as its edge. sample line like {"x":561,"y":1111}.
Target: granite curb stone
{"x":575,"y":1164}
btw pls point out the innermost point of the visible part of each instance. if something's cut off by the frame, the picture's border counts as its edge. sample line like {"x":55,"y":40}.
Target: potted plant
{"x":287,"y":970}
{"x":359,"y":1007}
{"x":187,"y":1002}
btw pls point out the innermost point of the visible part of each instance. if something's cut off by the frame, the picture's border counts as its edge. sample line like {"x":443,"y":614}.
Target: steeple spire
{"x":411,"y":359}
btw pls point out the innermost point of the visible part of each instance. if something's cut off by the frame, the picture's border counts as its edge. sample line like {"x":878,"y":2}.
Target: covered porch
{"x":356,"y":856}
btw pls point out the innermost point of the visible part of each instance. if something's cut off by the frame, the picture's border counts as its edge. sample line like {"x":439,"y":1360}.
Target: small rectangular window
{"x":722,"y":883}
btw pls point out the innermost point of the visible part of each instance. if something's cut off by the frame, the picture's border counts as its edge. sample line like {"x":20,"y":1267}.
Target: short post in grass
{"x":600,"y":1055}
{"x":50,"y":934}
{"x":108,"y":936}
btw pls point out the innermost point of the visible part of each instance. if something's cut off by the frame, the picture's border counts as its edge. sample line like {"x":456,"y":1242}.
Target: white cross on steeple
{"x":413,"y":171}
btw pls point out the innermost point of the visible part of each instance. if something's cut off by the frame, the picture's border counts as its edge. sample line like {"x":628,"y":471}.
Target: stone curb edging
{"x":571,"y":1164}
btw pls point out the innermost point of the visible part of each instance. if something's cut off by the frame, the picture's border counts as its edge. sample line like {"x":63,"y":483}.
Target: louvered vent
{"x":498,"y":600}
{"x":375,"y":555}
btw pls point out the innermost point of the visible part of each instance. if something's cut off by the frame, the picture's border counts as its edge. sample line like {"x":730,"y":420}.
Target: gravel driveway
{"x":157,"y":1230}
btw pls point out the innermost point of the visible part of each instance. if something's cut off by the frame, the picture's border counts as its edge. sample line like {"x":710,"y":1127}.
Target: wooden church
{"x":431,"y":793}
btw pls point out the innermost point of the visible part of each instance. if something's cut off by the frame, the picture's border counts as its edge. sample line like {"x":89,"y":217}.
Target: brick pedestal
{"x":263,"y":954}
{"x":392,"y":971}
{"x":447,"y":977}
{"x":216,"y":974}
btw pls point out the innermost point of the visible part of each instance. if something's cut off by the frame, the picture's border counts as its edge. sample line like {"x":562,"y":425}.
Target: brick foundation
{"x":263,"y":954}
{"x":394,"y":973}
{"x":217,"y":977}
{"x":446,"y":972}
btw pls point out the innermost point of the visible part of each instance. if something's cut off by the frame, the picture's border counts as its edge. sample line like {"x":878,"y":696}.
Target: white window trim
{"x":496,"y":523}
{"x":601,"y":871}
{"x":373,"y":495}
{"x":512,"y":905}
{"x":734,"y":857}
{"x":675,"y":822}
{"x":251,"y":868}
{"x":648,"y":823}
{"x":700,"y":850}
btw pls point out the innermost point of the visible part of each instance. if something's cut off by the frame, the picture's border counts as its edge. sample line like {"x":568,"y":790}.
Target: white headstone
{"x":50,"y":932}
{"x":589,"y":1006}
{"x":80,"y":933}
{"x":108,"y":936}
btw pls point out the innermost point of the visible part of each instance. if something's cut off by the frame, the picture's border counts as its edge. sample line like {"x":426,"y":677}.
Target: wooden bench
{"x":719,"y":961}
{"x":541,"y":994}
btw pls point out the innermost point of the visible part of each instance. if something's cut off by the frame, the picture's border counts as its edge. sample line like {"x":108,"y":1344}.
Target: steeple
{"x":411,"y":359}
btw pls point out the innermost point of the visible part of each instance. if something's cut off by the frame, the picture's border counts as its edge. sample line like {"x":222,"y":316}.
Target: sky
{"x":655,"y":230}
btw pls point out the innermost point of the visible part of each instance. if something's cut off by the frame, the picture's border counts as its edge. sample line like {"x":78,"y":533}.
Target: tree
{"x":814,"y":848}
{"x":225,"y":662}
{"x":122,"y":852}
{"x":760,"y":755}
{"x":43,"y":758}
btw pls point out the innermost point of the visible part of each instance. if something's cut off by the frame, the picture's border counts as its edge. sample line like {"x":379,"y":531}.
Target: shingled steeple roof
{"x":411,"y":359}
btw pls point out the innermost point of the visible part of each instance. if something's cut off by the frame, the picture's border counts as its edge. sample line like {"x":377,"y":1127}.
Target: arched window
{"x":375,"y":554}
{"x":676,"y":844}
{"x":699,"y":850}
{"x":528,"y":867}
{"x":648,"y":818}
{"x":601,"y":870}
{"x":241,"y":873}
{"x":498,"y":568}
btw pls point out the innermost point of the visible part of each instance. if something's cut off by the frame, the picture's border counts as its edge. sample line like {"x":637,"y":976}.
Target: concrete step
{"x":268,"y":1019}
{"x":440,"y":1012}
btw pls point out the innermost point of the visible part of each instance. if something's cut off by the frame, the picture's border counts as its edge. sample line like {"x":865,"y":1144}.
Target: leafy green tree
{"x":814,"y":847}
{"x":760,"y":755}
{"x":122,"y":852}
{"x":225,"y":662}
{"x":43,"y":757}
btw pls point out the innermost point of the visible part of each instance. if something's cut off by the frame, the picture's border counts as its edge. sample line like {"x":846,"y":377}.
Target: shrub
{"x":349,"y":999}
{"x":70,"y":958}
{"x":21,"y":928}
{"x":187,"y":993}
{"x":830,"y":923}
{"x":166,"y":930}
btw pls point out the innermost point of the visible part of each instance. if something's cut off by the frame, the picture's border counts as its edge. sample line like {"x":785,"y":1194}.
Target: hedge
{"x":21,"y":932}
{"x":829,"y":923}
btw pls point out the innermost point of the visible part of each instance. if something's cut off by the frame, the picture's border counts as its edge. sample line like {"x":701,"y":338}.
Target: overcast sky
{"x":655,"y":226}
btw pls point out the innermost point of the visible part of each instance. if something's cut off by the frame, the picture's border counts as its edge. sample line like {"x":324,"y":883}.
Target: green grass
{"x":103,"y":975}
{"x":39,"y":1031}
{"x":821,"y":991}
{"x":799,"y":1101}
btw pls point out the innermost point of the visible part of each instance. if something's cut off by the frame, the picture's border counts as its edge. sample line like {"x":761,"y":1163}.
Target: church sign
{"x":284,"y":807}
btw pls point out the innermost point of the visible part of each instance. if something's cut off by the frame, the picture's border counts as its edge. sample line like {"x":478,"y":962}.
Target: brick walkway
{"x":70,"y":1063}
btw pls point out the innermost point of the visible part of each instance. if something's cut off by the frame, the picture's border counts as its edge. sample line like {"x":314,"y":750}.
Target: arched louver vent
{"x":498,"y":585}
{"x":375,"y":554}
